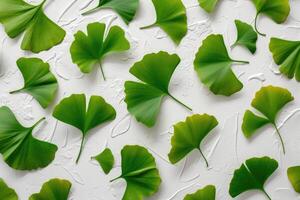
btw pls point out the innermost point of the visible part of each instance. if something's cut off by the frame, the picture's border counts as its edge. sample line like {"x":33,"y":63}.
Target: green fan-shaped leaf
{"x":106,"y":160}
{"x":6,"y":193}
{"x":286,"y":54}
{"x":207,"y":193}
{"x":140,"y":173}
{"x":144,"y":99}
{"x":41,"y":33}
{"x":268,"y":101}
{"x":125,"y":8}
{"x":208,"y":5}
{"x":294,"y":177}
{"x":54,"y":189}
{"x":246,"y":36}
{"x":20,"y":150}
{"x":213,"y":66}
{"x":171,"y":17}
{"x":277,"y":10}
{"x":38,"y":80}
{"x":189,"y":134}
{"x":73,"y":111}
{"x":252,"y":176}
{"x":89,"y":50}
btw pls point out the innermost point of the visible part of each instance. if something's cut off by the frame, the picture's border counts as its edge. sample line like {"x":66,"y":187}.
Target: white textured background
{"x":226,"y":148}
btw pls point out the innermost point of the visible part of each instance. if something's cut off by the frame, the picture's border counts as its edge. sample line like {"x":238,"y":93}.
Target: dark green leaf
{"x":144,"y":99}
{"x":268,"y":101}
{"x":207,"y":193}
{"x":72,"y":110}
{"x":246,"y":36}
{"x":171,"y":17}
{"x":89,"y":50}
{"x":294,"y":177}
{"x":277,"y":10}
{"x":20,"y":150}
{"x":54,"y":189}
{"x":213,"y":66}
{"x":287,"y":54}
{"x":41,"y":33}
{"x":106,"y":160}
{"x":140,"y":173}
{"x":189,"y":134}
{"x":38,"y":80}
{"x":6,"y":193}
{"x":252,"y":176}
{"x":125,"y":8}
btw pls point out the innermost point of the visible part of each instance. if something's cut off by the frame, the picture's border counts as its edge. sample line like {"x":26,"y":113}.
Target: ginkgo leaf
{"x":286,"y":54}
{"x":38,"y":80}
{"x":268,"y":101}
{"x":144,"y":99}
{"x":20,"y":150}
{"x":140,"y":173}
{"x":171,"y":17}
{"x":294,"y":177}
{"x":207,"y":193}
{"x":54,"y":189}
{"x":41,"y":33}
{"x":252,"y":176}
{"x":213,"y":66}
{"x":208,"y":5}
{"x":73,"y":111}
{"x":246,"y":36}
{"x":277,"y":10}
{"x":189,"y":134}
{"x":89,"y":50}
{"x":6,"y":193}
{"x":125,"y":8}
{"x":106,"y":160}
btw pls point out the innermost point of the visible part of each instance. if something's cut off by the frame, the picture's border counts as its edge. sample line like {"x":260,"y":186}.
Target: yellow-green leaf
{"x":144,"y":99}
{"x":213,"y":66}
{"x":7,"y":193}
{"x":189,"y":134}
{"x":277,"y":10}
{"x":89,"y":50}
{"x":74,"y":111}
{"x":252,"y":176}
{"x":41,"y":33}
{"x":38,"y":80}
{"x":171,"y":17}
{"x":286,"y":54}
{"x":140,"y":173}
{"x":54,"y":189}
{"x":268,"y":101}
{"x":106,"y":160}
{"x":20,"y":150}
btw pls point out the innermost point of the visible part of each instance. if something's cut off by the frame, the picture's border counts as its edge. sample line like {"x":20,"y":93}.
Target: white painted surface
{"x":227,"y":148}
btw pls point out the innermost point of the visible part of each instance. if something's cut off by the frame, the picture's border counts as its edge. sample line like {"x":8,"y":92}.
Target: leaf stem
{"x":43,"y":2}
{"x":190,"y":109}
{"x":280,"y":137}
{"x":115,"y":179}
{"x":240,"y":61}
{"x":207,"y":165}
{"x":16,"y":91}
{"x":266,"y":194}
{"x":90,"y":11}
{"x":38,"y":122}
{"x":233,"y":45}
{"x":80,"y":151}
{"x":255,"y":26}
{"x":149,"y":26}
{"x":102,"y":72}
